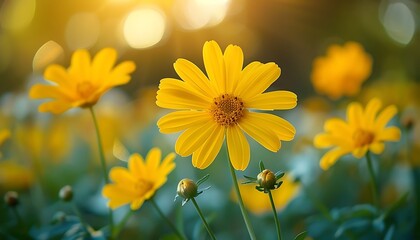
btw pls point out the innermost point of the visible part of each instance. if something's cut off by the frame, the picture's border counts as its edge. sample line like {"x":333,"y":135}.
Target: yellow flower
{"x":83,"y":83}
{"x":364,"y":131}
{"x":14,"y":176}
{"x":218,"y":106}
{"x":258,"y":202}
{"x":342,"y":71}
{"x":140,"y":181}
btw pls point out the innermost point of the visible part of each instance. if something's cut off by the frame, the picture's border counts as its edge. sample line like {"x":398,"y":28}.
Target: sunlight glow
{"x":82,"y":30}
{"x":399,"y":23}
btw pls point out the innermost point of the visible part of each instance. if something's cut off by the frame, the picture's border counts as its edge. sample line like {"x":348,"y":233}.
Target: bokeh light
{"x":82,"y":30}
{"x":17,"y":14}
{"x":144,"y":27}
{"x":196,"y":14}
{"x":48,"y":53}
{"x":399,"y":22}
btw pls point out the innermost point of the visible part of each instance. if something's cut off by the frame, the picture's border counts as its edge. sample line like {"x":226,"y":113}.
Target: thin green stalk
{"x":175,"y":229}
{"x":276,"y":218}
{"x":121,"y":225}
{"x":374,"y":185}
{"x":102,"y":158}
{"x":241,"y":203}
{"x":77,"y":212}
{"x":203,"y":219}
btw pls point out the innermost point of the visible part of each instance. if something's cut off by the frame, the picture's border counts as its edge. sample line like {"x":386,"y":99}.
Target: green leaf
{"x":301,"y":236}
{"x":203,"y":179}
{"x":261,"y":166}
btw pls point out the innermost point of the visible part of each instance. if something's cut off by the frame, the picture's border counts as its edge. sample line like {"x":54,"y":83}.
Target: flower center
{"x":143,"y":186}
{"x":227,"y":109}
{"x":362,"y":137}
{"x":85,"y":89}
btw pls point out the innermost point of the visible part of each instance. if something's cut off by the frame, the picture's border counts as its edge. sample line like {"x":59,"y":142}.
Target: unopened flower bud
{"x":66,"y":193}
{"x":187,"y":188}
{"x":266,"y":179}
{"x":11,"y":198}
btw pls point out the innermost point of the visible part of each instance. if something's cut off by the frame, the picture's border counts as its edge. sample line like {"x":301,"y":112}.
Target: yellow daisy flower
{"x":84,"y":82}
{"x":140,"y":181}
{"x":342,"y":71}
{"x":259,"y":203}
{"x":216,"y":106}
{"x":365,"y":130}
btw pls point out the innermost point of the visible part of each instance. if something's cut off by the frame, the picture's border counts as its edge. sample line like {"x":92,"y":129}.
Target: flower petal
{"x":176,"y":94}
{"x":331,"y":157}
{"x":102,"y":64}
{"x":80,"y":65}
{"x":193,"y":138}
{"x":137,"y":166}
{"x":377,"y":147}
{"x":137,"y":203}
{"x":385,"y":116}
{"x":260,"y":131}
{"x":167,"y":164}
{"x":257,"y":80}
{"x":215,"y":66}
{"x":337,"y":126}
{"x":279,"y":100}
{"x":57,"y":74}
{"x":205,"y":155}
{"x":47,"y":91}
{"x":325,"y":140}
{"x":238,"y":146}
{"x":55,"y":107}
{"x":360,"y":152}
{"x":153,"y":159}
{"x":117,"y":196}
{"x":192,"y":75}
{"x":120,"y":74}
{"x":181,"y":120}
{"x":389,"y":134}
{"x":234,"y":59}
{"x":371,"y":111}
{"x":355,"y":114}
{"x":121,"y":175}
{"x":281,"y":127}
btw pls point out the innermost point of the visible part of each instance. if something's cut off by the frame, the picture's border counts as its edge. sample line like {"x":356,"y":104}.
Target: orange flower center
{"x":142,"y":186}
{"x":362,"y":137}
{"x":85,"y":89}
{"x":227,"y":109}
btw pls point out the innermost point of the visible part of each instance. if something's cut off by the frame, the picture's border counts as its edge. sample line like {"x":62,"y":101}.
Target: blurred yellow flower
{"x":4,"y":135}
{"x":364,"y":131}
{"x":342,"y":71}
{"x":84,"y":82}
{"x":14,"y":176}
{"x":140,"y":181}
{"x":258,"y":202}
{"x":214,"y":106}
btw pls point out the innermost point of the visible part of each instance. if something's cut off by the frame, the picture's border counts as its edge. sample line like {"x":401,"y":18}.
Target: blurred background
{"x":45,"y":152}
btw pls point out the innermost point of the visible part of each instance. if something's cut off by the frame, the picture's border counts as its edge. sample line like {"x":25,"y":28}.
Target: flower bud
{"x":266,"y":179}
{"x":66,"y":193}
{"x":187,"y":188}
{"x":11,"y":198}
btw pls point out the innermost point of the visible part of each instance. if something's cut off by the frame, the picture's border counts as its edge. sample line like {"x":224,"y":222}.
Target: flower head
{"x":365,"y":130}
{"x":342,"y":71}
{"x":188,"y":189}
{"x":140,"y":181}
{"x":210,"y":108}
{"x":84,"y":82}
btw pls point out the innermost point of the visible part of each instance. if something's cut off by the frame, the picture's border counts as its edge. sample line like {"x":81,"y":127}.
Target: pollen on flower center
{"x":85,"y":89}
{"x":142,"y":186}
{"x":227,"y":109}
{"x":362,"y":137}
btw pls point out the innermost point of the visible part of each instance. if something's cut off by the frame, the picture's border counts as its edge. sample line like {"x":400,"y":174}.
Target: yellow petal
{"x":281,"y":128}
{"x":205,"y":155}
{"x":167,"y":164}
{"x":121,"y":73}
{"x":258,"y":80}
{"x":192,"y":75}
{"x":137,"y":166}
{"x":59,"y":75}
{"x":193,"y":138}
{"x":325,"y":140}
{"x":247,"y":74}
{"x":260,"y":131}
{"x":371,"y":111}
{"x":121,"y":175}
{"x":175,"y":94}
{"x":279,"y":100}
{"x":377,"y":147}
{"x":238,"y":146}
{"x":80,"y":65}
{"x":389,"y":134}
{"x":136,"y":204}
{"x":55,"y":107}
{"x":354,"y":114}
{"x":331,"y":157}
{"x":385,"y":116}
{"x":360,"y":151}
{"x":181,"y":120}
{"x":102,"y":64}
{"x":117,"y":196}
{"x":234,"y":59}
{"x":215,"y":66}
{"x":337,"y":126}
{"x":153,"y":159}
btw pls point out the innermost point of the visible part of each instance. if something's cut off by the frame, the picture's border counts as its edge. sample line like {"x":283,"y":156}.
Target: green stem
{"x":374,"y":185}
{"x":203,"y":219}
{"x":102,"y":158}
{"x":121,"y":224}
{"x":241,"y":203}
{"x":175,"y":229}
{"x":276,"y":218}
{"x":77,"y":212}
